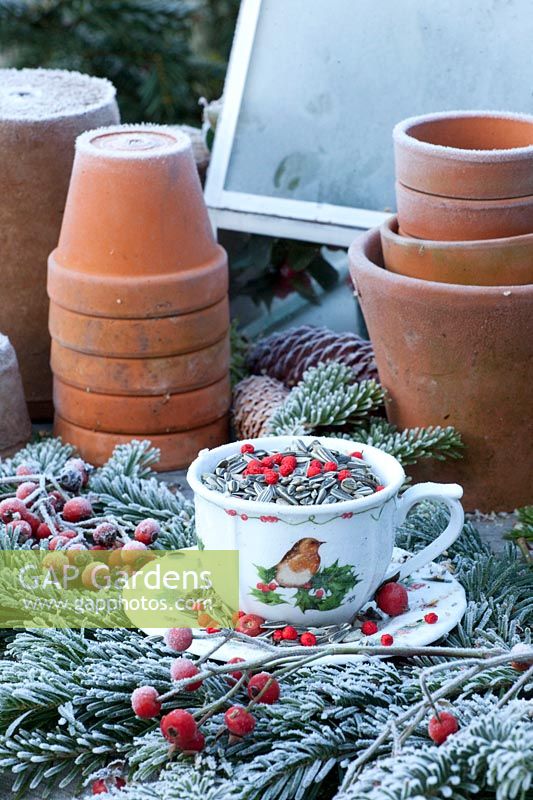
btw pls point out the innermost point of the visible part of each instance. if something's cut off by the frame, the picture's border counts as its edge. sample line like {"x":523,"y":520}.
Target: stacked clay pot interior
{"x":446,"y":289}
{"x":139,"y":314}
{"x":464,"y":190}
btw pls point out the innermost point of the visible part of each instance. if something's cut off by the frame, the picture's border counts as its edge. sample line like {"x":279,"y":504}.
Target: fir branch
{"x":326,"y":396}
{"x":412,"y":444}
{"x":132,"y":460}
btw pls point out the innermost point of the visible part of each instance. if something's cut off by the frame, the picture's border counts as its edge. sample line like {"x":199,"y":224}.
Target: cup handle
{"x":448,"y":493}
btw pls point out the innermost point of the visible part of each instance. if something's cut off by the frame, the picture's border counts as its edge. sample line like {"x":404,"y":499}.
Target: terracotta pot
{"x":136,"y":240}
{"x":139,"y":338}
{"x":141,"y":376}
{"x":488,"y":262}
{"x":426,"y":216}
{"x":168,"y":413}
{"x":455,"y":355}
{"x":177,"y":449}
{"x":41,"y":114}
{"x":470,"y":154}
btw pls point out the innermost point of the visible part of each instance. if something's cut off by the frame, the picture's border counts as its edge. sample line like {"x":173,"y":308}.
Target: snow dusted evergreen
{"x":65,"y":695}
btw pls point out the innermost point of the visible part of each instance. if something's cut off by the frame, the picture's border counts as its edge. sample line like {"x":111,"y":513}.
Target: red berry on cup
{"x":289,"y":633}
{"x":312,"y":472}
{"x":342,"y":474}
{"x":356,"y":454}
{"x":277,"y":635}
{"x":250,"y":624}
{"x":442,"y":726}
{"x":319,"y":594}
{"x":369,"y":627}
{"x":271,"y":477}
{"x":263,"y":688}
{"x":239,"y":721}
{"x":431,"y":618}
{"x":330,"y":466}
{"x":145,"y":702}
{"x":392,"y":599}
{"x":247,"y":448}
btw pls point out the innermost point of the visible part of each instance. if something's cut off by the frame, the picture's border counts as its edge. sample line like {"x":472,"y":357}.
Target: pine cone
{"x":286,"y":355}
{"x":254,"y":401}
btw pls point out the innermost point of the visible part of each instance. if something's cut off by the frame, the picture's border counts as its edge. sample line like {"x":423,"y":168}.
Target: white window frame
{"x":252,"y":213}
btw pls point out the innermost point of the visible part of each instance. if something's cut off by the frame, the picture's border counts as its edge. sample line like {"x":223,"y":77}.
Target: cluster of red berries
{"x":103,"y":786}
{"x":52,"y":516}
{"x":290,"y":634}
{"x":179,"y":727}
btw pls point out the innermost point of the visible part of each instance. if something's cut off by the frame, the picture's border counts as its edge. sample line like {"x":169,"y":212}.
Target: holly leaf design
{"x":335,"y":581}
{"x":266,"y":574}
{"x":268,"y":598}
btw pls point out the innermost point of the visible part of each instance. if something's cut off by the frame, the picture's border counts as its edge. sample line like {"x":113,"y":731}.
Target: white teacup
{"x":344,"y":548}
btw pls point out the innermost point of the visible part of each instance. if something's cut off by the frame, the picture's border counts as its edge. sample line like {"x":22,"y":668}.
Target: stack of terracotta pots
{"x":139,"y":313}
{"x":451,"y":314}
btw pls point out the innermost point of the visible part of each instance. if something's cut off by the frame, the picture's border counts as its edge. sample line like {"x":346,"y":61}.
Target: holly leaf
{"x":335,"y":581}
{"x":266,"y":574}
{"x":268,"y":598}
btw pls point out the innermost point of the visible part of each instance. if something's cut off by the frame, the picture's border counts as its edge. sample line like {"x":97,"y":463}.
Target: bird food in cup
{"x":297,"y":476}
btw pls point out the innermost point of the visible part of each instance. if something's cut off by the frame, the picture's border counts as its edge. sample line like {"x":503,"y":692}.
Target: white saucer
{"x":431,"y":589}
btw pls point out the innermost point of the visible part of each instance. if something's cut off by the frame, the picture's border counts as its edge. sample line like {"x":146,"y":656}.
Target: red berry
{"x":213,"y":630}
{"x":431,"y":619}
{"x":387,"y":640}
{"x":369,"y":627}
{"x":312,"y":472}
{"x":277,"y":635}
{"x":43,"y":531}
{"x":267,"y":462}
{"x":77,"y":509}
{"x":234,"y":676}
{"x":178,"y":639}
{"x":289,"y":633}
{"x":28,"y":469}
{"x":356,"y":454}
{"x":308,"y":639}
{"x":147,"y":531}
{"x":250,"y":624}
{"x":196,"y":744}
{"x":184,"y":668}
{"x":131,"y":551}
{"x":272,"y":586}
{"x":239,"y":721}
{"x":522,"y":649}
{"x":247,"y":448}
{"x":392,"y":598}
{"x":287,"y":466}
{"x":342,"y":474}
{"x":57,"y":500}
{"x":231,"y":512}
{"x":99,"y":787}
{"x":254,"y":468}
{"x":330,"y":466}
{"x":271,"y":477}
{"x":25,"y":489}
{"x":179,"y":727}
{"x":319,"y":594}
{"x":105,"y":534}
{"x":442,"y":726}
{"x":22,"y":528}
{"x":379,"y":488}
{"x":145,"y":703}
{"x":257,"y":683}
{"x":57,"y":542}
{"x":12,"y":509}
{"x":277,"y":458}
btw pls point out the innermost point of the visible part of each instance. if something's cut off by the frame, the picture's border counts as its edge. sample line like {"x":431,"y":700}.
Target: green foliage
{"x":328,"y":402}
{"x":239,"y":349}
{"x":335,"y":581}
{"x":152,"y":50}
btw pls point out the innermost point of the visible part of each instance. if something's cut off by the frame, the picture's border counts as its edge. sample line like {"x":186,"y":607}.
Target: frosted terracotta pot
{"x":475,"y":155}
{"x":177,"y":449}
{"x":139,"y":338}
{"x":168,"y":413}
{"x":455,"y":355}
{"x":489,"y":262}
{"x":136,"y":239}
{"x":141,"y":376}
{"x":426,"y":216}
{"x":41,"y":114}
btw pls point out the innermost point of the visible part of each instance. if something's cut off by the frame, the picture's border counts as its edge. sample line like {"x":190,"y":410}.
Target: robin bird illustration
{"x":299,"y":564}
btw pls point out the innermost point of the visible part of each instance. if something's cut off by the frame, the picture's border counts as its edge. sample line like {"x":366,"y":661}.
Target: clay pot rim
{"x":108,"y":96}
{"x":181,"y":142}
{"x":465,"y":203}
{"x":401,"y":136}
{"x":389,"y":229}
{"x":358,"y":253}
